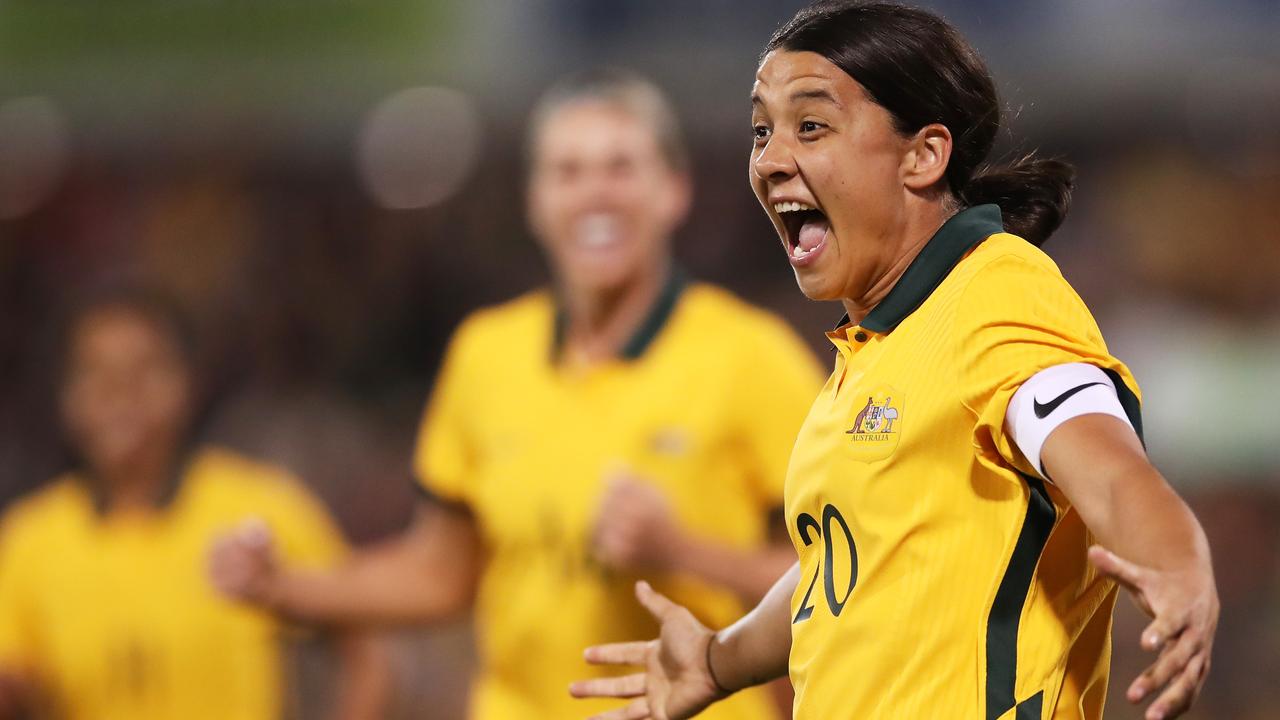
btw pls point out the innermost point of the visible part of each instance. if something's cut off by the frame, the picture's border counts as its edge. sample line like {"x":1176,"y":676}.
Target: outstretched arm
{"x":427,"y":574}
{"x":690,"y":667}
{"x":1150,"y":543}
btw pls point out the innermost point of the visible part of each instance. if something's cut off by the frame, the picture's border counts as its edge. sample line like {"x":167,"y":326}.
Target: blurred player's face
{"x":126,"y":394}
{"x":827,"y":165}
{"x":603,"y":201}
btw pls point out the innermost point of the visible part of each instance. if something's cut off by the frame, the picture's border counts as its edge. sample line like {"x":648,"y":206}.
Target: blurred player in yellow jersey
{"x":106,"y":611}
{"x":626,"y":423}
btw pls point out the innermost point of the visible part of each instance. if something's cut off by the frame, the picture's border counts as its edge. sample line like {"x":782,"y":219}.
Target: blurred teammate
{"x":976,"y":447}
{"x":626,"y":422}
{"x":105,"y":607}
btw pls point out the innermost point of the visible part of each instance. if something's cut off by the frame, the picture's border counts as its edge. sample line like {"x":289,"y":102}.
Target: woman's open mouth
{"x":805,"y":229}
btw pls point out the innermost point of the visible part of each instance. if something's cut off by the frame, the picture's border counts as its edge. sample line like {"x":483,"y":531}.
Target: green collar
{"x":647,"y":332}
{"x":956,"y":236}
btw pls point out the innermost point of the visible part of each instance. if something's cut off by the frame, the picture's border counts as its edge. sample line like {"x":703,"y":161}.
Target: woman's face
{"x":127,"y":392}
{"x":827,"y":166}
{"x":603,"y":200}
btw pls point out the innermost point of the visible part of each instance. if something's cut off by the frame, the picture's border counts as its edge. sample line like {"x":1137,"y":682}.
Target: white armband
{"x":1053,"y":396}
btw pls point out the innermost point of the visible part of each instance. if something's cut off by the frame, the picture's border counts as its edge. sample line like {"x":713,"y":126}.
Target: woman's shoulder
{"x":530,"y":314}
{"x":1007,"y":253}
{"x":46,"y":507}
{"x":722,"y":309}
{"x":226,"y":465}
{"x":1008,"y":277}
{"x":1004,"y":268}
{"x":220,"y":480}
{"x":738,"y":326}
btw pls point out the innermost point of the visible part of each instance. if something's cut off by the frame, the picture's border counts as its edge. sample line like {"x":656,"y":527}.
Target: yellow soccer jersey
{"x":112,"y":615}
{"x":939,"y":577}
{"x":705,"y":404}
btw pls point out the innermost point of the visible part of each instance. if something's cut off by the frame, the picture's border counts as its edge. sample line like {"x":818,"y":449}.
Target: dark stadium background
{"x":330,"y":185}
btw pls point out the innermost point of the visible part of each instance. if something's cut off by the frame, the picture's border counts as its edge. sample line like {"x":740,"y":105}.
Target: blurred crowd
{"x":322,"y":287}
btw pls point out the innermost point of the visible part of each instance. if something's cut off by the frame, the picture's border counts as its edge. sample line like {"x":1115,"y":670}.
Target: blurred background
{"x":329,"y":185}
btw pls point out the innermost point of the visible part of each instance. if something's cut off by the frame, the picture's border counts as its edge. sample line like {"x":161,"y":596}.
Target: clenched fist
{"x":242,"y":564}
{"x":636,"y":530}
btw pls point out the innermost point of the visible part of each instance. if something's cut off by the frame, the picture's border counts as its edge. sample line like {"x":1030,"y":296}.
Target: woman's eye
{"x":809,"y":126}
{"x":760,"y":131}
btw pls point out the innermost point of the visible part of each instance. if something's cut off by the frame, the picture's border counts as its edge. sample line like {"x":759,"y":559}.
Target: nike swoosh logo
{"x":1043,"y":409}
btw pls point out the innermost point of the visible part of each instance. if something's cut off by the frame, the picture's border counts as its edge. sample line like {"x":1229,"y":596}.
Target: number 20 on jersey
{"x":837,"y":546}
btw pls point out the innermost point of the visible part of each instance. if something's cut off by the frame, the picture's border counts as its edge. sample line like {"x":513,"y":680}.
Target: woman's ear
{"x":928,"y":154}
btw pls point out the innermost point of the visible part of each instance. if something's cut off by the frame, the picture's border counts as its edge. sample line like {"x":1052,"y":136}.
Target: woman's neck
{"x":910,"y":237}
{"x":136,"y":484}
{"x":600,"y":323}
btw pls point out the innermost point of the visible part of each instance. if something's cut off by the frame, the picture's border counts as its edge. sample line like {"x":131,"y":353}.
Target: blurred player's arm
{"x":637,"y":532}
{"x":1150,"y":542}
{"x":749,"y":573}
{"x":426,"y":574}
{"x":690,"y":667}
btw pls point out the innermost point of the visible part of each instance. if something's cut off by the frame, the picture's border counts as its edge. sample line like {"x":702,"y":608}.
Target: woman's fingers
{"x":655,"y":602}
{"x":1179,"y":695}
{"x":1172,"y":661}
{"x":627,"y":686}
{"x":1122,"y":571}
{"x":1179,"y":631}
{"x":1162,"y":629}
{"x":638,"y":710}
{"x":628,"y":653}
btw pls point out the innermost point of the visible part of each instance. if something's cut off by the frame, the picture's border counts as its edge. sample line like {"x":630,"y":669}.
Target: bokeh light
{"x":417,"y":147}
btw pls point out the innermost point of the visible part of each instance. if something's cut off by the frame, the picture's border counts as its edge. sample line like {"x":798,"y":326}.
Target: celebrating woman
{"x":970,"y":487}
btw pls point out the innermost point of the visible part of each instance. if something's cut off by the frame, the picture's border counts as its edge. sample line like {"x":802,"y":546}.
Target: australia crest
{"x":877,"y":425}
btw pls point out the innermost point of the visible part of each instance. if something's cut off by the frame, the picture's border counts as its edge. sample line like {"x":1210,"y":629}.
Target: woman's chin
{"x":816,"y":287}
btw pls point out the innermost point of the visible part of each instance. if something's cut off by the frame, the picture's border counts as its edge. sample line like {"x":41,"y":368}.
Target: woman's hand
{"x":1154,"y":547}
{"x":1183,"y":606}
{"x":676,"y":682}
{"x":242,"y":564}
{"x":637,"y":531}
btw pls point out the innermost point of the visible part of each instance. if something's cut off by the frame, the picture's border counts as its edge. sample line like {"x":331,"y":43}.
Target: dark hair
{"x":628,"y":91}
{"x":161,"y":311}
{"x":922,"y":71}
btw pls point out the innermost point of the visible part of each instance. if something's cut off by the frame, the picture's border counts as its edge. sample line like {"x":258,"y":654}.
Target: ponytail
{"x":1033,"y":193}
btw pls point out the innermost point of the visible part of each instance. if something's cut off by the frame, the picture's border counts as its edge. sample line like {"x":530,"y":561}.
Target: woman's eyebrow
{"x":821,"y":94}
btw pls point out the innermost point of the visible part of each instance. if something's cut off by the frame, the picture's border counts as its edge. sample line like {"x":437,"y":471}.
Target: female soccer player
{"x":582,"y":435}
{"x":105,"y":608}
{"x":970,"y":487}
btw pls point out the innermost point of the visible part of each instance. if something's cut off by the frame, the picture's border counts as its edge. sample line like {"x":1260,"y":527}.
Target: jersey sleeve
{"x":305,"y":533}
{"x":444,"y":457}
{"x":780,"y":379}
{"x":1016,"y":318}
{"x":17,"y":645}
